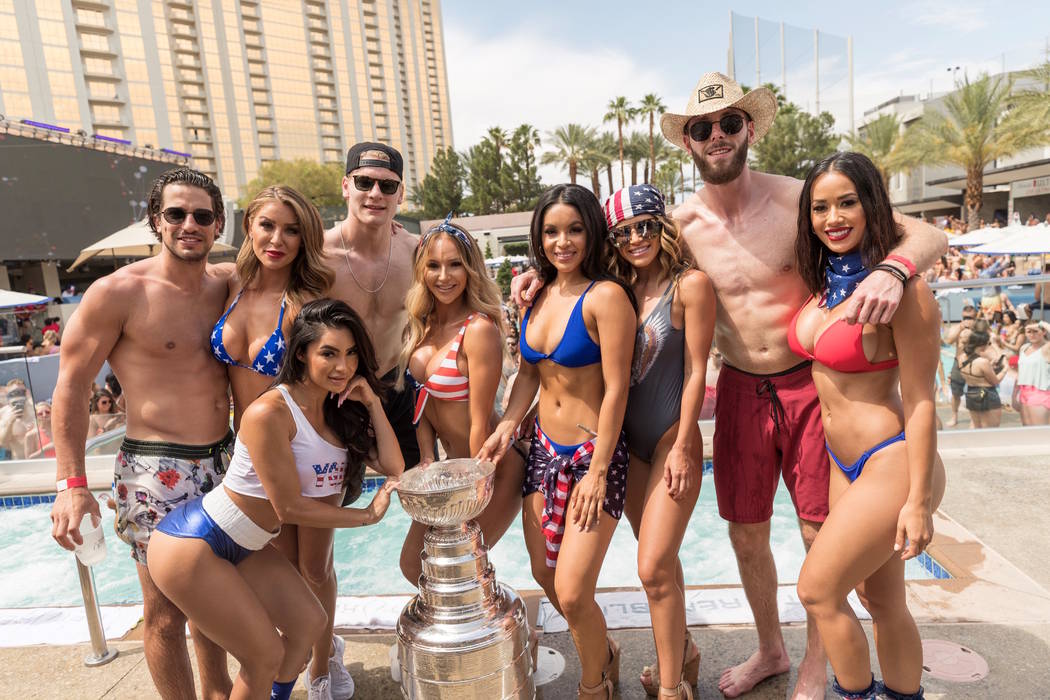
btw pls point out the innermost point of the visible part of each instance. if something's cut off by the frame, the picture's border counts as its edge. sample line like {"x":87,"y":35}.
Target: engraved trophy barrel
{"x":465,"y":635}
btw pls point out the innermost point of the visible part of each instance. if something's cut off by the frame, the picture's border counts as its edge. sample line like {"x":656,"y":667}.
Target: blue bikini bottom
{"x":853,"y":470}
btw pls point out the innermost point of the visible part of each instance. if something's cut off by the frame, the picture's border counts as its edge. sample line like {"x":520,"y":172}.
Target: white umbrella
{"x":134,"y":241}
{"x":1021,"y":240}
{"x":980,"y":236}
{"x":9,"y":299}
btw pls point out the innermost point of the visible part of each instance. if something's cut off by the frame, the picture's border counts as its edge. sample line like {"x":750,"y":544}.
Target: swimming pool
{"x":366,"y":559}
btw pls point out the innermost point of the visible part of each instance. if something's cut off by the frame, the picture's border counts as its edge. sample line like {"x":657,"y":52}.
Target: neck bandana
{"x":842,"y":275}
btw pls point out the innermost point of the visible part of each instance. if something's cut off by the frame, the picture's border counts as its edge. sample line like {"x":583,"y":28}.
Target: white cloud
{"x":524,"y":77}
{"x":951,"y":15}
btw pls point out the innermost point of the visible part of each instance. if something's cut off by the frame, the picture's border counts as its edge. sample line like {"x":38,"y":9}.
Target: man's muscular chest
{"x":173,"y":325}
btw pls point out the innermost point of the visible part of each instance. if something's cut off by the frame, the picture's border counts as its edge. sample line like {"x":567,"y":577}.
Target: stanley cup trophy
{"x":465,"y":635}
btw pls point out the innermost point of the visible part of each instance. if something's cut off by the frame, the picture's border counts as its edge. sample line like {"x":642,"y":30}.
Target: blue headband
{"x":447,"y":227}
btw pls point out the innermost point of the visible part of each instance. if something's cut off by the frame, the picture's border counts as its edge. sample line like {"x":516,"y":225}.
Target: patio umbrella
{"x":134,"y":241}
{"x":1020,"y":240}
{"x":9,"y":299}
{"x":980,"y":236}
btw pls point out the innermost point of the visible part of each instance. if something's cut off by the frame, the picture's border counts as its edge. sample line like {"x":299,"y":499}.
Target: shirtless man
{"x":741,"y":228}
{"x":372,"y":260}
{"x":152,"y":320}
{"x":957,"y":336}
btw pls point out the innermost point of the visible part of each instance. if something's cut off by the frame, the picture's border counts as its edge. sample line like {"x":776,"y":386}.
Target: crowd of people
{"x":365,"y":345}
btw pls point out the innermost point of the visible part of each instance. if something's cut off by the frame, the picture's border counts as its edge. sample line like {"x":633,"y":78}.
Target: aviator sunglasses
{"x":365,"y":184}
{"x":176,"y":215}
{"x":729,"y":124}
{"x":646,"y":230}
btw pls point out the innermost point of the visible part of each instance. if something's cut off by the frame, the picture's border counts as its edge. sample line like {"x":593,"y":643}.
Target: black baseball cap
{"x":377,"y":155}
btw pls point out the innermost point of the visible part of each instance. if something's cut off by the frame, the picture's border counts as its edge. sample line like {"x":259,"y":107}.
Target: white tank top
{"x":320,"y":464}
{"x":1033,"y":369}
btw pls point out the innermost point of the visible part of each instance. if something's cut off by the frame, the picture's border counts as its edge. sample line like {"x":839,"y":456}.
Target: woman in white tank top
{"x":210,"y":558}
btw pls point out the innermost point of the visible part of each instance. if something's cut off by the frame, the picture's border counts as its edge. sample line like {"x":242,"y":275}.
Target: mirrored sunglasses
{"x":646,"y":230}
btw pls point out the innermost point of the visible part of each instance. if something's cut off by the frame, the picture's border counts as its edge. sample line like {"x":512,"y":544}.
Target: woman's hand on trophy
{"x":377,"y":508}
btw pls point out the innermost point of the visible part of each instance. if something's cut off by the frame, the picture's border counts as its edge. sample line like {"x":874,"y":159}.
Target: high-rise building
{"x":232,"y":83}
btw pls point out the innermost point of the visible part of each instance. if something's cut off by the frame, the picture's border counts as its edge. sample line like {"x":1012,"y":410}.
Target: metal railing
{"x":100,"y":653}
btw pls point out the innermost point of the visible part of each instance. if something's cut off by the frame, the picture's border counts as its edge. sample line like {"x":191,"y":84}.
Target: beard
{"x":724,"y":171}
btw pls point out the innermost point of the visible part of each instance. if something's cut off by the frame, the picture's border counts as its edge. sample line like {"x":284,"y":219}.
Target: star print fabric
{"x":633,"y":201}
{"x":842,"y":275}
{"x":267,"y":361}
{"x":554,"y":474}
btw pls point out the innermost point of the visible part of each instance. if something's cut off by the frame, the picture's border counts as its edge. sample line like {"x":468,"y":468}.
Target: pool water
{"x":38,"y":572}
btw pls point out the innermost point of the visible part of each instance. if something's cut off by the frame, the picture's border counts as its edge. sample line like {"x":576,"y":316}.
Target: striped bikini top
{"x":446,"y":383}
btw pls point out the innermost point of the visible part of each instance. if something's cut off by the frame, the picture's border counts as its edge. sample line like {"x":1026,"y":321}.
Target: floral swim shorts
{"x":151,"y":479}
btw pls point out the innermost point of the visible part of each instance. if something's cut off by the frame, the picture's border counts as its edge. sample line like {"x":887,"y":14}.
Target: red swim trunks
{"x":765,"y":426}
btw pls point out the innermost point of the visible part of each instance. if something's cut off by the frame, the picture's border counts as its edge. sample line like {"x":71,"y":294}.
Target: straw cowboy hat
{"x":716,"y":92}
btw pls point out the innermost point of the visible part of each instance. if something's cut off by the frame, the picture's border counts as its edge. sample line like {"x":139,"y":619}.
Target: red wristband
{"x":71,"y":482}
{"x":908,"y":264}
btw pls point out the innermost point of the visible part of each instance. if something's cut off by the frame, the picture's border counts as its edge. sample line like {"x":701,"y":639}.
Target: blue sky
{"x":550,"y":63}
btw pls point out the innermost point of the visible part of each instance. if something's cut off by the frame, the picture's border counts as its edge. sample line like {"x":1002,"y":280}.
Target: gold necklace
{"x":386,"y":273}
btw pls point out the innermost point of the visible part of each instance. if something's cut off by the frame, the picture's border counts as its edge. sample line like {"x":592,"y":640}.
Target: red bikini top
{"x":839,"y":347}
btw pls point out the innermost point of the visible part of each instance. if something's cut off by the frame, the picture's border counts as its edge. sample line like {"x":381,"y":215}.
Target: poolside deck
{"x":999,"y":607}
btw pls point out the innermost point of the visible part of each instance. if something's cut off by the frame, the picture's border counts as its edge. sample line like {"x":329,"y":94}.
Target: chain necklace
{"x":386,"y":273}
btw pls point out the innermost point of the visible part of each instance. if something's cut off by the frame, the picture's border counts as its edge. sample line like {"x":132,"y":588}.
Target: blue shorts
{"x":190,"y":520}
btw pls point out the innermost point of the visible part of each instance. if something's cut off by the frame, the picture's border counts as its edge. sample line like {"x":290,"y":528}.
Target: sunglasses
{"x":646,"y":230}
{"x":365,"y":184}
{"x":176,"y":215}
{"x":729,"y":124}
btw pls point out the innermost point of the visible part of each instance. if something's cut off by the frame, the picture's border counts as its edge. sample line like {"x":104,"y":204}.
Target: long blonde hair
{"x":482,"y":294}
{"x":311,"y":277}
{"x":674,"y":258}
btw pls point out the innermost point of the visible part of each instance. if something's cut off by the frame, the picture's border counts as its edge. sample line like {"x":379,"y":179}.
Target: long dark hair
{"x":882,"y":232}
{"x":350,"y":421}
{"x":596,"y":255}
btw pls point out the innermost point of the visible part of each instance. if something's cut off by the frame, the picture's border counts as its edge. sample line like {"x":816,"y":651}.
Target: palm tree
{"x":651,"y":105}
{"x":570,"y":143}
{"x":637,"y":151}
{"x":982,"y":124}
{"x":876,"y":140}
{"x":528,"y":134}
{"x":668,"y":180}
{"x":620,"y":111}
{"x":606,"y":145}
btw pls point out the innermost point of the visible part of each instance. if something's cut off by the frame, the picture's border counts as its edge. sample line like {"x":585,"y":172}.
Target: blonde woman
{"x":279,"y":268}
{"x":454,"y":354}
{"x":676,"y":321}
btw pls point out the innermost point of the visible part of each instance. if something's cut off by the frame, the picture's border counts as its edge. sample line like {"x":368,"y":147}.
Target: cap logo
{"x":374,"y":155}
{"x":710,"y":92}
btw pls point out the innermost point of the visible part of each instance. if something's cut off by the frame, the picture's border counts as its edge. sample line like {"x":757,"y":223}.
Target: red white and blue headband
{"x":633,"y":201}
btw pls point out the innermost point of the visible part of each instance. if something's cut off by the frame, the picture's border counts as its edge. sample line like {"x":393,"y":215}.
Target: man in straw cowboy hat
{"x":741,"y":227}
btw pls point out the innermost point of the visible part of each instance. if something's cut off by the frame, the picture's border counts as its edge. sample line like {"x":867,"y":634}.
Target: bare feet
{"x":812,"y":679}
{"x":737,"y":680}
{"x":953,"y":422}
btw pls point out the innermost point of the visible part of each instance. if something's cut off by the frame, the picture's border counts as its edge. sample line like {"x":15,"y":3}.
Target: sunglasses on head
{"x":729,"y":124}
{"x":176,"y":215}
{"x":646,"y":230}
{"x":365,"y":184}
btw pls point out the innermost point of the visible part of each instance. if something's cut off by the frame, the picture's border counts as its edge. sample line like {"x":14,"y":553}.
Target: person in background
{"x":104,"y":413}
{"x":956,"y":336}
{"x":1032,"y":391}
{"x":39,"y":441}
{"x":982,"y":373}
{"x":14,"y":424}
{"x":49,"y":345}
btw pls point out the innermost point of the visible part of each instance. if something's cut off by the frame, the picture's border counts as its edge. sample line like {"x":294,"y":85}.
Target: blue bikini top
{"x":268,"y":359}
{"x":576,"y":349}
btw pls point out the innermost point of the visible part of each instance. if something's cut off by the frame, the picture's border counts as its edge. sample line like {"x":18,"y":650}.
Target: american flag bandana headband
{"x":633,"y":201}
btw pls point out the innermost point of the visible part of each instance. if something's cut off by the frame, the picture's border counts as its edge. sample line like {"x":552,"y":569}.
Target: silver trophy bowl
{"x":448,"y":493}
{"x":465,"y":635}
